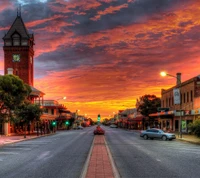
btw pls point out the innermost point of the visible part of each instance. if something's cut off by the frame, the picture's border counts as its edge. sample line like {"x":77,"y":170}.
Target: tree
{"x":148,"y":104}
{"x":195,"y":127}
{"x":13,"y":93}
{"x":28,"y":112}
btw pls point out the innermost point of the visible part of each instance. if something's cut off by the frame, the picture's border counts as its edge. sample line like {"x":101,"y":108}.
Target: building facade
{"x":19,"y":60}
{"x":19,"y":52}
{"x":174,"y":116}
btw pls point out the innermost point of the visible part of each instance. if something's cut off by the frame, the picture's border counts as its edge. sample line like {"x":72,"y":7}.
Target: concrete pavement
{"x":18,"y":138}
{"x":100,"y":164}
{"x":185,"y":137}
{"x":188,"y":138}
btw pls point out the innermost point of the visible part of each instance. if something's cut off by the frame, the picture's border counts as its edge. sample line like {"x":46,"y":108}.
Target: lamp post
{"x":163,"y":74}
{"x":63,"y":98}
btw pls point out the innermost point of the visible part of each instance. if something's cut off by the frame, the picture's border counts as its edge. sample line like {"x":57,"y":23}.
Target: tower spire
{"x":19,"y":11}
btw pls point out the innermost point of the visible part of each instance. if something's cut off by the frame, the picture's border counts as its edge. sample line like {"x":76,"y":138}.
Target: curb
{"x":114,"y":168}
{"x":189,"y":141}
{"x":85,"y":167}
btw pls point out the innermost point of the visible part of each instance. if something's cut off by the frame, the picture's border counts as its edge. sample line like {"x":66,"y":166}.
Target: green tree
{"x":13,"y":93}
{"x":148,"y":104}
{"x":28,"y":112}
{"x":195,"y":127}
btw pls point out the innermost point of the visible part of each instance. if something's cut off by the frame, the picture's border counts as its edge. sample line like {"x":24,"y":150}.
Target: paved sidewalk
{"x":100,"y":163}
{"x":188,"y":138}
{"x":17,"y":138}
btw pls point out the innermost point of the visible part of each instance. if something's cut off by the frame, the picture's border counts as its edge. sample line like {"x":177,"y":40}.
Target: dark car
{"x":157,"y":133}
{"x":99,"y":131}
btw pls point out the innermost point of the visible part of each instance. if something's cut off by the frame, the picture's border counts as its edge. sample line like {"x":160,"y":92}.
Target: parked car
{"x":157,"y":133}
{"x":113,"y":126}
{"x":78,"y":127}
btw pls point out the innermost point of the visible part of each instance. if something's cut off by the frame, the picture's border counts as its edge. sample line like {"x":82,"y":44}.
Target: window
{"x":24,"y":43}
{"x":52,"y":111}
{"x":187,"y":96}
{"x":191,"y":95}
{"x":45,"y":110}
{"x":184,"y":97}
{"x":152,"y":130}
{"x":16,"y":39}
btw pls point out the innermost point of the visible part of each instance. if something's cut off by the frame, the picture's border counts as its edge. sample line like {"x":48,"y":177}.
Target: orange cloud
{"x":109,"y":10}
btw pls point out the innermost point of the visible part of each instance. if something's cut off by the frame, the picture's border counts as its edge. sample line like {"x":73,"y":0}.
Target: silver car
{"x":157,"y":133}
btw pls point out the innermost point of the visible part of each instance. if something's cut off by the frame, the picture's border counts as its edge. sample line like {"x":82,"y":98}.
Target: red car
{"x":99,"y":131}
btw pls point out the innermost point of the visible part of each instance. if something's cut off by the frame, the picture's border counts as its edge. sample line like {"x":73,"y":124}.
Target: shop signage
{"x":177,"y":98}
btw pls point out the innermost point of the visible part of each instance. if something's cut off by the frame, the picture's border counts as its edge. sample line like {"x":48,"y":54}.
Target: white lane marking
{"x":182,"y":151}
{"x":9,"y":153}
{"x":12,"y":148}
{"x":158,"y":160}
{"x":43,"y":155}
{"x":82,"y":133}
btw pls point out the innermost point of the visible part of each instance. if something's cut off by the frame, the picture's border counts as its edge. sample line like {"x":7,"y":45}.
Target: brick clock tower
{"x":18,"y":51}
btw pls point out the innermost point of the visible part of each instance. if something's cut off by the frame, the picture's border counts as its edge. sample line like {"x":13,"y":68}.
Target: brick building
{"x":169,"y":118}
{"x":19,"y":60}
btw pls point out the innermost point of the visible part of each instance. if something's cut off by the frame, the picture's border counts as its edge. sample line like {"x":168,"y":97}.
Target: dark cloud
{"x":185,"y":24}
{"x":136,"y":12}
{"x":94,"y":50}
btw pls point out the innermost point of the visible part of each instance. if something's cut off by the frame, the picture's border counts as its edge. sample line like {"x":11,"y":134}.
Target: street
{"x":57,"y":156}
{"x":64,"y":154}
{"x":136,"y":157}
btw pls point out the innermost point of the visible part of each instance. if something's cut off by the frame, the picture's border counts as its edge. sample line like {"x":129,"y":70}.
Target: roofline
{"x":13,"y":24}
{"x":163,"y":91}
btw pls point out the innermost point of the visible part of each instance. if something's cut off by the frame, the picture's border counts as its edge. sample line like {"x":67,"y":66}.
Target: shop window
{"x":52,"y":111}
{"x":45,"y":110}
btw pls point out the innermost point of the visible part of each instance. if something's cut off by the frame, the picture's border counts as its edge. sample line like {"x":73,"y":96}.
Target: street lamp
{"x":63,"y":98}
{"x":163,"y":74}
{"x":57,"y":109}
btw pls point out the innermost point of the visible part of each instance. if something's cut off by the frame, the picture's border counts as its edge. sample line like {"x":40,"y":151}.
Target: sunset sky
{"x":104,"y":54}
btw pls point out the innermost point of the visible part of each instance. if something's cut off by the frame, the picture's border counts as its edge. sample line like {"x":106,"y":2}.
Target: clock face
{"x":16,"y":57}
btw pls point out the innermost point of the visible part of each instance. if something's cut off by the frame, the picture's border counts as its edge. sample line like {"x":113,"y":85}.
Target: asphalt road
{"x":135,"y":157}
{"x":58,"y":156}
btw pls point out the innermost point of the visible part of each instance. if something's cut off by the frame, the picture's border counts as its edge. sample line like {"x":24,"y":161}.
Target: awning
{"x":36,"y":92}
{"x":65,"y":111}
{"x":63,"y":117}
{"x":138,"y":119}
{"x":166,"y":113}
{"x":45,"y":116}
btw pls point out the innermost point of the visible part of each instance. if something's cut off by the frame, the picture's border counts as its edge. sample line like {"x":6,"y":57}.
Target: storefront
{"x":163,"y":120}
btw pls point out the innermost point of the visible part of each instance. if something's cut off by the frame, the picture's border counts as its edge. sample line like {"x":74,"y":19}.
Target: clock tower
{"x":18,"y":51}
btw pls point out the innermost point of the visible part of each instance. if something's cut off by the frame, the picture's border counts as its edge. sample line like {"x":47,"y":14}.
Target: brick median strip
{"x":100,"y":165}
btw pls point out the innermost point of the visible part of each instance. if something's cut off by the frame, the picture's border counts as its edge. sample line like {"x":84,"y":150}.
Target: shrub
{"x":195,"y":127}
